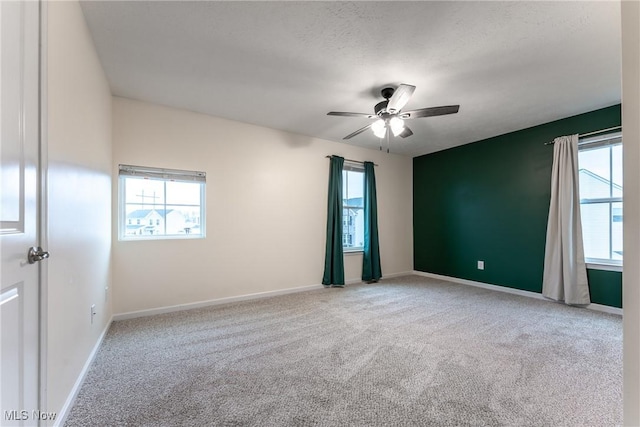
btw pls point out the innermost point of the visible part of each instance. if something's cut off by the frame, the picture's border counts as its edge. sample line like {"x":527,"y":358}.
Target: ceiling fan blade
{"x":429,"y":112}
{"x":358,"y":132}
{"x":406,"y":132}
{"x":345,"y":114}
{"x":400,"y":98}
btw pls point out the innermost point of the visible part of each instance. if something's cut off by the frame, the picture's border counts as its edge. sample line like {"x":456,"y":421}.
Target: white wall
{"x":79,"y":198}
{"x":266,"y":208}
{"x":631,"y":143}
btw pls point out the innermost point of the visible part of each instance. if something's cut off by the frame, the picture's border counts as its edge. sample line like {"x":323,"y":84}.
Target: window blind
{"x":158,"y":173}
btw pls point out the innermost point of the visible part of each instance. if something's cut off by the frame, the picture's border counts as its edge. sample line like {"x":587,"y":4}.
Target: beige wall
{"x":266,"y":208}
{"x":631,"y":273}
{"x":79,"y":198}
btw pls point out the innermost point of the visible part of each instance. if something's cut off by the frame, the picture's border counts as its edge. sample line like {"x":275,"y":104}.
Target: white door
{"x":19,"y":180}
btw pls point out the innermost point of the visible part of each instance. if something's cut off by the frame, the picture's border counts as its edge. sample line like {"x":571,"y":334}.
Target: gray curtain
{"x":333,"y":258}
{"x":565,"y":272}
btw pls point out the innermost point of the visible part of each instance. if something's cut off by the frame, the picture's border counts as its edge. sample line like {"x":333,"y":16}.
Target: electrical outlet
{"x":93,"y":312}
{"x":106,"y":293}
{"x":480,"y":265}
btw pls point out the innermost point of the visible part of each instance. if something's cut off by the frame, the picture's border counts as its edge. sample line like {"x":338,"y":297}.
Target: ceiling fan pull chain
{"x":388,"y":132}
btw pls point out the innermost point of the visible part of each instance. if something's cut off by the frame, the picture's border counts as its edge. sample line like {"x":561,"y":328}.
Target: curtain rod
{"x":591,"y":133}
{"x":353,"y":161}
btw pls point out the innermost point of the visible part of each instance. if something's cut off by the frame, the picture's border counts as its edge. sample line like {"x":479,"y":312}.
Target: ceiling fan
{"x":389,"y":117}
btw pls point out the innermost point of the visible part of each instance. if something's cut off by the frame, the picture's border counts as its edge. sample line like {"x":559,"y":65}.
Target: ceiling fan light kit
{"x":389,"y":116}
{"x":397,"y":125}
{"x":379,"y":128}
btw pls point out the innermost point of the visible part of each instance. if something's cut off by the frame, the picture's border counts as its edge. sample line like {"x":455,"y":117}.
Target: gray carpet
{"x":405,"y":351}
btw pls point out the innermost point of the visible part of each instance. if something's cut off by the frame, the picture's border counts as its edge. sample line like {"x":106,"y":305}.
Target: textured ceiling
{"x":284,"y":65}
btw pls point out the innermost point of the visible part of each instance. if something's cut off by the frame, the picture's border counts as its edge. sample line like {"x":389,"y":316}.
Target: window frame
{"x":163,"y":175}
{"x":609,"y":140}
{"x":349,"y":166}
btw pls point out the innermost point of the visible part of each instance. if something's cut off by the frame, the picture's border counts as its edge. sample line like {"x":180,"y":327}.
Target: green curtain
{"x":371,"y":271}
{"x":333,"y":259}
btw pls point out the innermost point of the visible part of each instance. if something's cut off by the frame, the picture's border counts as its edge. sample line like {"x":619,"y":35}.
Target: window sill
{"x":603,"y":266}
{"x":353,"y":252}
{"x":156,"y":238}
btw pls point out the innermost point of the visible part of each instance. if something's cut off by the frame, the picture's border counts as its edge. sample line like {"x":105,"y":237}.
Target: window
{"x":172,"y":199}
{"x":600,"y":172}
{"x":353,"y":206}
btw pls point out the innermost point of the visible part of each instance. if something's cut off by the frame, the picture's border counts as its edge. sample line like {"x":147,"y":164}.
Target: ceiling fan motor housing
{"x":387,"y":92}
{"x":381,"y":107}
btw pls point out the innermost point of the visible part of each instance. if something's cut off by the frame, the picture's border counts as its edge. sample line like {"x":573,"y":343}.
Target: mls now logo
{"x":24,"y":415}
{"x":16,"y":415}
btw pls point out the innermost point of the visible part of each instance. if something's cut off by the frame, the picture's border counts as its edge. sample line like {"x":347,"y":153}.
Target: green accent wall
{"x":605,"y":287}
{"x":489,"y":201}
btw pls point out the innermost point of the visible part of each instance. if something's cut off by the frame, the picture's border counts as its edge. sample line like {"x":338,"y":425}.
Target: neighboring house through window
{"x":600,"y":173}
{"x":164,"y":203}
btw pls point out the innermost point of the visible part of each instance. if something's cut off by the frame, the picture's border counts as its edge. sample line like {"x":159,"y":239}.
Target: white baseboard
{"x":61,"y":417}
{"x":529,"y":294}
{"x":482,"y":285}
{"x":217,"y":301}
{"x":386,"y":276}
{"x":207,"y":303}
{"x":605,"y":309}
{"x":402,"y":273}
